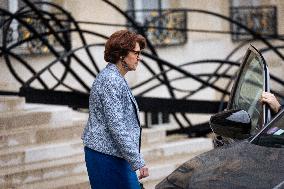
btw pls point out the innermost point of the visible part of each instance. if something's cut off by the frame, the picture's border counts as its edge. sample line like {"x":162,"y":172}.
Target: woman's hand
{"x":144,"y":172}
{"x":271,"y":100}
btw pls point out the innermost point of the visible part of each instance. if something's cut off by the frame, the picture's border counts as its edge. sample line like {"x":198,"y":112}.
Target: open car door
{"x":245,"y":115}
{"x":251,"y":81}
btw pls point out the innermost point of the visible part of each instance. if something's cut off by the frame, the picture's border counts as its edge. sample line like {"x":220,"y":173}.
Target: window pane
{"x":249,"y":90}
{"x":157,"y":20}
{"x":273,"y":135}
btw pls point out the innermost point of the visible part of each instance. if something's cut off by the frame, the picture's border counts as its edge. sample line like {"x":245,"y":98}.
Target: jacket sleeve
{"x":112,"y":97}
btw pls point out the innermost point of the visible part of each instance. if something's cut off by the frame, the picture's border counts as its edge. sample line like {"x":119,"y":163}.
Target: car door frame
{"x":266,"y":86}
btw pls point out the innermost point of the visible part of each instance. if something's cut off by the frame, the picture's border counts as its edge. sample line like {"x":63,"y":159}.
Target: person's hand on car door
{"x":271,"y":100}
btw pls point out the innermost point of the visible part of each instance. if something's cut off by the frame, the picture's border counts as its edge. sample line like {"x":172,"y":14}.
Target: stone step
{"x":161,"y":167}
{"x":153,"y":136}
{"x":71,"y":182}
{"x":167,"y":158}
{"x":75,"y":159}
{"x":151,"y":184}
{"x":158,"y":171}
{"x":174,"y":148}
{"x":25,"y":145}
{"x":49,"y":151}
{"x":39,"y":134}
{"x":22,"y":155}
{"x":11,"y":86}
{"x":61,"y":160}
{"x":11,"y":103}
{"x":176,"y":137}
{"x":36,"y":172}
{"x":35,"y":115}
{"x":45,"y":152}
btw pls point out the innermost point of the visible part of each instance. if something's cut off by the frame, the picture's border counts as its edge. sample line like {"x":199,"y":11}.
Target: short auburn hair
{"x":120,"y":43}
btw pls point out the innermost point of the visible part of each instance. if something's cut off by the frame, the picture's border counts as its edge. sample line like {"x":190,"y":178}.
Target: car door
{"x":272,"y":135}
{"x":251,"y":81}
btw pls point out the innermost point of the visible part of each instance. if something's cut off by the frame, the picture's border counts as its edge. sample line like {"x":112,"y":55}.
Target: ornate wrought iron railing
{"x":60,"y":89}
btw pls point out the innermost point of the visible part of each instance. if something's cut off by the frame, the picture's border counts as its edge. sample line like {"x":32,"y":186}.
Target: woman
{"x":112,"y":136}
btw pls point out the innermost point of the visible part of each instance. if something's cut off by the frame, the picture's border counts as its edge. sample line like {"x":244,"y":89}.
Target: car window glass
{"x":273,"y":134}
{"x":249,"y":90}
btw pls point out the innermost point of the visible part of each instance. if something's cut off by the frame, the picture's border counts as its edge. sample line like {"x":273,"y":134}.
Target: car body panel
{"x":238,"y":165}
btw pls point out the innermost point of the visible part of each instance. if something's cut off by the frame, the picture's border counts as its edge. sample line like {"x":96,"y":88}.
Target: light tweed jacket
{"x":113,"y":126}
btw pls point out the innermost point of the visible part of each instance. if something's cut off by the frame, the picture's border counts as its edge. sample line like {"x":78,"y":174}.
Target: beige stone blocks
{"x":152,"y":136}
{"x":37,"y":172}
{"x":177,"y":148}
{"x":11,"y":103}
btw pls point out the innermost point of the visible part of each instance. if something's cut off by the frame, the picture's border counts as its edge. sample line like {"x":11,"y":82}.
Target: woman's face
{"x":133,"y":57}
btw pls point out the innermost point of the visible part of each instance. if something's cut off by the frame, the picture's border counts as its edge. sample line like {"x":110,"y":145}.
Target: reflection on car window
{"x":249,"y":90}
{"x":273,"y":134}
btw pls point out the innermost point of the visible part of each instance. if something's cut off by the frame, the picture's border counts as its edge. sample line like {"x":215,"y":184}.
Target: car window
{"x":273,"y":134}
{"x":248,"y":89}
{"x":249,"y":92}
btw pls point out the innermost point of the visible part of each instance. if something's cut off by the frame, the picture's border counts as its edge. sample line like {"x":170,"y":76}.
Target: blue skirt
{"x":109,"y":172}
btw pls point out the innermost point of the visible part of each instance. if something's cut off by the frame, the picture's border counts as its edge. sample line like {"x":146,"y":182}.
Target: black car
{"x":252,"y":155}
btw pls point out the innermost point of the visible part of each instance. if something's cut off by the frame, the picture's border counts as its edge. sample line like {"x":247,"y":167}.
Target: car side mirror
{"x":235,"y":124}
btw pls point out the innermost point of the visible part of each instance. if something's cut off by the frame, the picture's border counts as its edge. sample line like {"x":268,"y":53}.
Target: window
{"x":273,"y":134}
{"x":261,"y":19}
{"x":249,"y":91}
{"x":155,"y":17}
{"x":252,"y":81}
{"x":3,"y":5}
{"x":15,"y":31}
